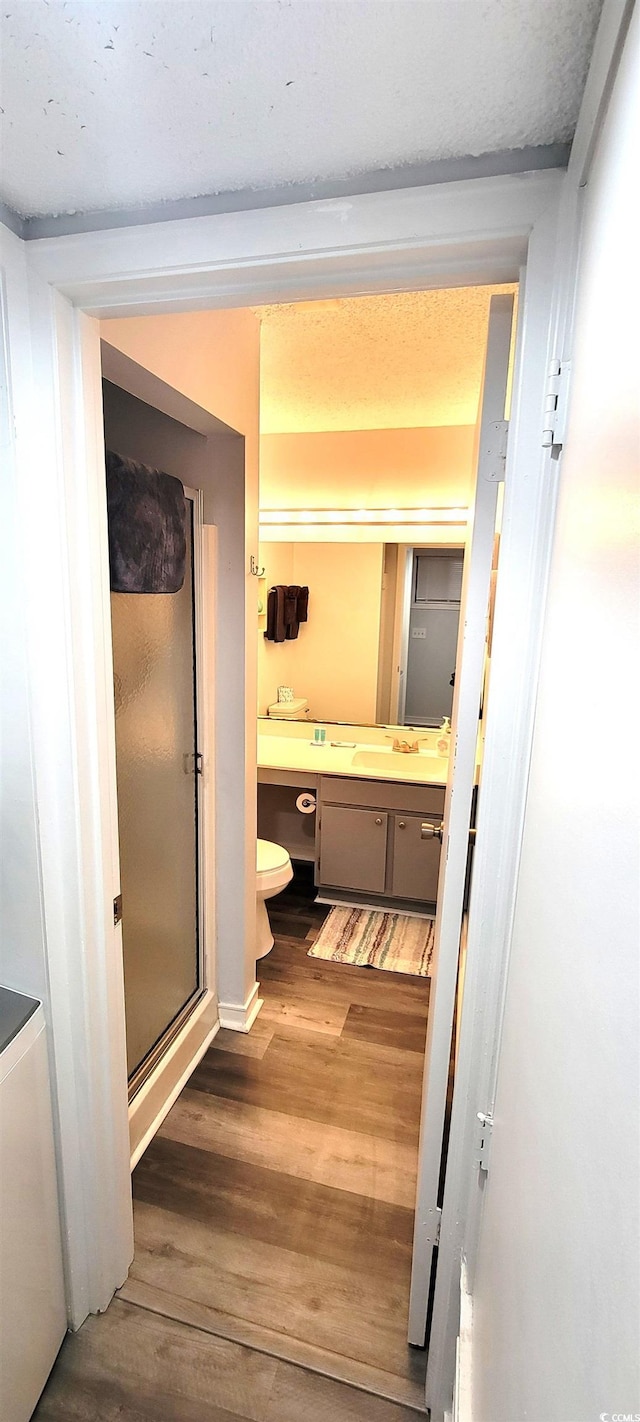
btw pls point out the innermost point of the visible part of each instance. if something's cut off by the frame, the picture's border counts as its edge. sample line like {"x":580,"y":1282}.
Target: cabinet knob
{"x":401,"y":824}
{"x":378,"y":819}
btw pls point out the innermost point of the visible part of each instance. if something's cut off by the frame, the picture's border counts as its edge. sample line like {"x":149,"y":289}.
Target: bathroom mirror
{"x":379,"y":644}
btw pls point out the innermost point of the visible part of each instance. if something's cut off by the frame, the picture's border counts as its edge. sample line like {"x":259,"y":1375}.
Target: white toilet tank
{"x":295,"y":710}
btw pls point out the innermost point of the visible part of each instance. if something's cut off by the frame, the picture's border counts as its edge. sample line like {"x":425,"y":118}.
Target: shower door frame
{"x":157,"y":1068}
{"x":196,"y":1027}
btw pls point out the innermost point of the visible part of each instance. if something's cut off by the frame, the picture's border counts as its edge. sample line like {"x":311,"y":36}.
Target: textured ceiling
{"x":373,"y":362}
{"x":108,"y":105}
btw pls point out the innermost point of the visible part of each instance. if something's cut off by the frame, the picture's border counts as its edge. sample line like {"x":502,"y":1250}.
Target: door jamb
{"x":105,"y":273}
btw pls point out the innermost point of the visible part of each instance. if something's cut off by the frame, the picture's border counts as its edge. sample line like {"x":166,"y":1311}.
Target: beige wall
{"x":351,"y":469}
{"x":274,"y":658}
{"x":334,"y":660}
{"x":213,"y":357}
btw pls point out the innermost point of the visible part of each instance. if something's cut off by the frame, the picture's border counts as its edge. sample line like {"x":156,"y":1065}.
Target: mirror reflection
{"x":378,"y":645}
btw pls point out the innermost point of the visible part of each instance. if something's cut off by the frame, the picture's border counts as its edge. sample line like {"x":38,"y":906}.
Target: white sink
{"x":383,"y":759}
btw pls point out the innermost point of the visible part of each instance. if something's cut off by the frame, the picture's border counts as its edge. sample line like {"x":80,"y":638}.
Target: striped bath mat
{"x":371,"y":939}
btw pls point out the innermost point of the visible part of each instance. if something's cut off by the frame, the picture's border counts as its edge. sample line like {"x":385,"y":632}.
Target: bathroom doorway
{"x":290,"y":1159}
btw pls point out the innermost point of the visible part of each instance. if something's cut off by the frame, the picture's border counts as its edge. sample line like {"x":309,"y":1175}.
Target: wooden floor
{"x":273,"y":1211}
{"x":130,"y":1365}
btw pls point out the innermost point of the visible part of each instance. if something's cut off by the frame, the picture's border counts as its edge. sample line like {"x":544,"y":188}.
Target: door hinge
{"x":555,"y":404}
{"x":493,"y":453}
{"x":432,"y":1226}
{"x":117,"y":910}
{"x":485,"y":1128}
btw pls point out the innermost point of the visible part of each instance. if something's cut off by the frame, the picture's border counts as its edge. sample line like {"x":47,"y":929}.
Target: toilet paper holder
{"x":306,"y":803}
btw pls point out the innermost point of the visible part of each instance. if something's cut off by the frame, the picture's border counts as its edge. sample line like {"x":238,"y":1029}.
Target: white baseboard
{"x":240,"y":1016}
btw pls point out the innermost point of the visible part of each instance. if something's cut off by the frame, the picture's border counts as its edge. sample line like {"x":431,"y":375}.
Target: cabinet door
{"x":353,"y":849}
{"x":416,"y":861}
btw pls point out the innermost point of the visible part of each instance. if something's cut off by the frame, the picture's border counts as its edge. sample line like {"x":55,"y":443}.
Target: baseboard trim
{"x":240,"y":1017}
{"x":361,"y":1376}
{"x":338,"y":898}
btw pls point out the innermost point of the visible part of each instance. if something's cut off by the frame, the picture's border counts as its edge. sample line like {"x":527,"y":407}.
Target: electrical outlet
{"x":419,"y":632}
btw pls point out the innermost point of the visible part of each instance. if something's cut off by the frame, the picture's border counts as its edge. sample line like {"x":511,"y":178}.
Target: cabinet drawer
{"x":416,"y":861}
{"x":353,"y":849}
{"x":386,"y":794}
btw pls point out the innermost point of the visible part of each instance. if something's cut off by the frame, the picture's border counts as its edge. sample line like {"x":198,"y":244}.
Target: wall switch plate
{"x":419,"y":632}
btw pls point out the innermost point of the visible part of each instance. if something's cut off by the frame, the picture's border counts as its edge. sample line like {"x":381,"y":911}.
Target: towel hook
{"x":255,"y":571}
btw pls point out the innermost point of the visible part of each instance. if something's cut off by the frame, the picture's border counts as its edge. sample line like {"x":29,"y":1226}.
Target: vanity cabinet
{"x":415,"y":861}
{"x":353,"y":851}
{"x":370,"y":838}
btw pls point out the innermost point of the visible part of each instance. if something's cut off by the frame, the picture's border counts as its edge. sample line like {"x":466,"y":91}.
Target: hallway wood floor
{"x":280,"y":1188}
{"x":131,"y":1365}
{"x":273,"y":1215}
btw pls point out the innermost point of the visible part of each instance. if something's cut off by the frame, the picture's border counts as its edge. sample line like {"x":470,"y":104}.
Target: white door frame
{"x":470,"y":664}
{"x":476,"y":231}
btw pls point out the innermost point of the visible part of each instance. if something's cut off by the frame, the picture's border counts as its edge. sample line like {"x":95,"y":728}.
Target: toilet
{"x":274,"y":872}
{"x":296,"y":710}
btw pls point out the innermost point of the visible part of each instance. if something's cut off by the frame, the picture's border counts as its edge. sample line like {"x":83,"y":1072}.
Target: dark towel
{"x":147,"y":528}
{"x":291,"y":611}
{"x":287,"y":607}
{"x":276,"y":625}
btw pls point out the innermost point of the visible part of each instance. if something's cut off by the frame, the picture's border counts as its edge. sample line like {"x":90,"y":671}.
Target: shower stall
{"x":158,"y":763}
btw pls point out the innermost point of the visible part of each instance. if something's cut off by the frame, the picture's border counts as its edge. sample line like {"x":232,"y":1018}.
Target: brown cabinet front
{"x":416,"y":861}
{"x":353,"y":849}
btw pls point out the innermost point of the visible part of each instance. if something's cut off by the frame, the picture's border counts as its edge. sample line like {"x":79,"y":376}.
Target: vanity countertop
{"x":366,"y":762}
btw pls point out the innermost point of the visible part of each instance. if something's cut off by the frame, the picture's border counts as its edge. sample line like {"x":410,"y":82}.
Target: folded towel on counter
{"x":146,"y":513}
{"x":287,"y":607}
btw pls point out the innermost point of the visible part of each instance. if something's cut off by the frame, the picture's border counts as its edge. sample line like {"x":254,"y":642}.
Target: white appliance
{"x":33,"y":1318}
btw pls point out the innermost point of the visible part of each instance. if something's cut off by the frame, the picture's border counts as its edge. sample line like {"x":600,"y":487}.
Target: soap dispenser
{"x":444,"y":739}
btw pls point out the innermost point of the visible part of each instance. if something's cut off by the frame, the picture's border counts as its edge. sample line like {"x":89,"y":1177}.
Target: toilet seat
{"x":273,"y":870}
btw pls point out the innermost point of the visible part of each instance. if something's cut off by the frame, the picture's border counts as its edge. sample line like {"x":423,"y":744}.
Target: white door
{"x":470,"y":661}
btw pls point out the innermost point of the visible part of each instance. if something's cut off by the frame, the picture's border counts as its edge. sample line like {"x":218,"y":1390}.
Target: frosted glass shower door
{"x":154,"y":662}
